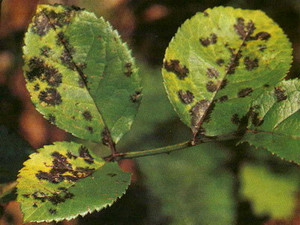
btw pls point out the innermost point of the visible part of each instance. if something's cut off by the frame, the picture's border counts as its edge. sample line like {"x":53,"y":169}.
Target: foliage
{"x":223,"y":72}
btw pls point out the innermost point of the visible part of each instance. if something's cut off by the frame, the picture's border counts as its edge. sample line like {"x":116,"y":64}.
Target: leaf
{"x":13,"y":152}
{"x":65,"y":180}
{"x":192,"y":186}
{"x":274,"y":122}
{"x":271,"y":194}
{"x":80,"y":75}
{"x":219,"y":62}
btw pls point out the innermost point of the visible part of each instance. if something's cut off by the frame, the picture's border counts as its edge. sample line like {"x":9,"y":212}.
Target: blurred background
{"x":208,"y":184}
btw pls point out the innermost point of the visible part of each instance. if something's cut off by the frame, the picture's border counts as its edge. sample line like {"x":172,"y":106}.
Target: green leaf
{"x":219,"y":62}
{"x":80,"y":75}
{"x":192,"y":186}
{"x":65,"y":180}
{"x":274,"y":122}
{"x":271,"y":194}
{"x":13,"y":152}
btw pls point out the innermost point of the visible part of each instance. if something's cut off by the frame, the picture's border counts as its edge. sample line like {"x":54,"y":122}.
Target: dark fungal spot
{"x":262,"y":36}
{"x":266,"y":85}
{"x":71,"y":156}
{"x":186,"y":97}
{"x":76,"y":8}
{"x":58,"y":19}
{"x":50,"y":96}
{"x":86,"y":171}
{"x":90,"y":129}
{"x":223,"y":98}
{"x":174,"y":66}
{"x":66,"y":59}
{"x":41,"y":24}
{"x":52,"y":211}
{"x":60,"y":163}
{"x":198,"y":111}
{"x":211,"y":86}
{"x":235,"y":119}
{"x":205,"y":14}
{"x":105,"y":136}
{"x":244,"y":31}
{"x":256,"y":121}
{"x":34,"y":205}
{"x":36,"y":66}
{"x":39,"y":195}
{"x":81,"y":66}
{"x":223,"y":84}
{"x":244,"y":92}
{"x":212,"y":73}
{"x":85,"y":154}
{"x":250,"y":63}
{"x":220,"y":62}
{"x":52,"y":76}
{"x":234,"y":60}
{"x":280,"y":94}
{"x":51,"y":118}
{"x":262,"y":47}
{"x":111,"y":174}
{"x":25,"y":195}
{"x":128,"y":69}
{"x":45,"y":51}
{"x":136,"y":97}
{"x":212,"y":39}
{"x":87,"y":115}
{"x":36,"y":87}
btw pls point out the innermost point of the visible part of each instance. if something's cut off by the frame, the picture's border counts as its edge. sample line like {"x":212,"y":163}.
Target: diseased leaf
{"x":274,"y":122}
{"x":80,"y":75}
{"x":271,"y":194}
{"x":219,"y":62}
{"x":65,"y":180}
{"x":13,"y":152}
{"x":192,"y":186}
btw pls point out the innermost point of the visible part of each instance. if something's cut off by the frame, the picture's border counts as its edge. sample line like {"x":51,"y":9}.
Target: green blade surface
{"x":65,"y":180}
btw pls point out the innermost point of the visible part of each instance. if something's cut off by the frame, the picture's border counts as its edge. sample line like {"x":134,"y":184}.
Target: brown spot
{"x":280,"y":94}
{"x":186,"y":97}
{"x":266,"y":85}
{"x":25,"y":195}
{"x":52,"y":211}
{"x":50,"y":96}
{"x":223,"y":84}
{"x":136,"y":97}
{"x":45,"y":51}
{"x":244,"y":92}
{"x":174,"y":66}
{"x":256,"y":121}
{"x":87,"y":115}
{"x":67,"y":60}
{"x":90,"y":129}
{"x":36,"y":87}
{"x":210,"y":40}
{"x":198,"y":111}
{"x":105,"y":136}
{"x":262,"y":36}
{"x":220,"y":62}
{"x":223,"y":98}
{"x":205,"y":14}
{"x":244,"y":31}
{"x":52,"y":76}
{"x":60,"y":163}
{"x":128,"y":69}
{"x":34,"y":205}
{"x":262,"y":47}
{"x":51,"y":118}
{"x":84,"y":153}
{"x":235,"y":119}
{"x":71,"y":156}
{"x":36,"y":66}
{"x":212,"y":73}
{"x":250,"y":63}
{"x":211,"y":87}
{"x":111,"y":174}
{"x":234,"y":61}
{"x":41,"y":24}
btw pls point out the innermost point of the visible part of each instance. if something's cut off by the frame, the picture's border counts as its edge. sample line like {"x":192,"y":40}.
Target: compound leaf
{"x":65,"y":180}
{"x":274,"y":121}
{"x":80,"y":75}
{"x":219,"y":62}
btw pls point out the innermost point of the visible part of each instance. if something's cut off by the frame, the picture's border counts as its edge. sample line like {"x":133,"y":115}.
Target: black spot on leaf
{"x":128,"y":69}
{"x":256,"y":121}
{"x":60,"y":163}
{"x":85,"y":154}
{"x":41,"y":24}
{"x":111,"y":174}
{"x":34,"y":205}
{"x":220,"y":62}
{"x":105,"y":136}
{"x":52,"y":76}
{"x":36,"y":87}
{"x":87,"y":115}
{"x":266,"y":85}
{"x":234,"y":61}
{"x":45,"y":51}
{"x":223,"y":98}
{"x":211,"y":86}
{"x":186,"y":97}
{"x":212,"y":39}
{"x":197,"y":112}
{"x":235,"y":119}
{"x":174,"y":66}
{"x":51,"y":118}
{"x":36,"y":66}
{"x":262,"y":47}
{"x":244,"y":92}
{"x":212,"y":73}
{"x":136,"y":97}
{"x":205,"y":14}
{"x":223,"y":84}
{"x":244,"y":31}
{"x":50,"y":96}
{"x":90,"y":129}
{"x":52,"y":211}
{"x":280,"y":94}
{"x":71,"y":156}
{"x":25,"y":195}
{"x":263,"y":36}
{"x":66,"y":59}
{"x":250,"y":63}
